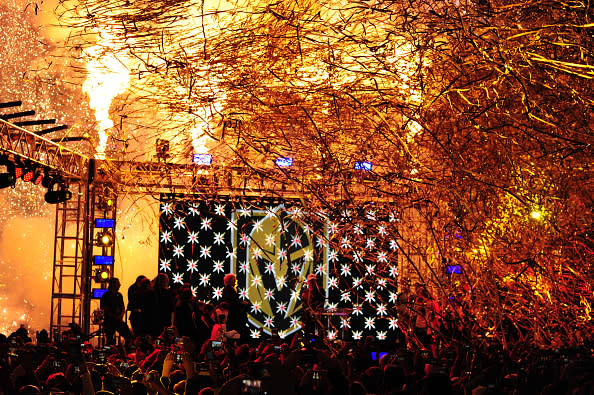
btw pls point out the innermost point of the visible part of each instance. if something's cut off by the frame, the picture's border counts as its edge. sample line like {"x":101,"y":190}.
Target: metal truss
{"x":29,"y":145}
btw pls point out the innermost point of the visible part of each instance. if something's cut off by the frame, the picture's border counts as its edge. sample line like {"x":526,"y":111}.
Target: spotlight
{"x":49,"y":179}
{"x":58,"y":196}
{"x":102,"y":275}
{"x":28,"y":172}
{"x":7,"y":178}
{"x":104,"y":239}
{"x":38,"y":175}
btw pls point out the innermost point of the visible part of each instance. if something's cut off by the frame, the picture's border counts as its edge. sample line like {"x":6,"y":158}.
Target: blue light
{"x":104,"y":223}
{"x":454,"y":269}
{"x":103,"y":260}
{"x":363,"y":165}
{"x":202,"y":159}
{"x":284,"y":162}
{"x":98,"y":292}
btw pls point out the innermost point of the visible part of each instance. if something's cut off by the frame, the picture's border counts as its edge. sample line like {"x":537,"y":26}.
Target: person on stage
{"x":237,"y":317}
{"x":112,"y":303}
{"x":312,"y":301}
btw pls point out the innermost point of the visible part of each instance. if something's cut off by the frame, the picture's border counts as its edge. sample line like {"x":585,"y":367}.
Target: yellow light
{"x":536,"y":214}
{"x":104,"y":275}
{"x":109,"y":202}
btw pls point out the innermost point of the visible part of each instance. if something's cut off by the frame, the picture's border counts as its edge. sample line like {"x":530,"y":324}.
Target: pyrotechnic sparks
{"x":107,"y":77}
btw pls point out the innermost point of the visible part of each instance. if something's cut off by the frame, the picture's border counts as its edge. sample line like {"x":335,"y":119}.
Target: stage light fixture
{"x":7,"y":177}
{"x":28,"y":171}
{"x":202,"y":159}
{"x":49,"y":179}
{"x":104,"y":239}
{"x":38,"y":175}
{"x":162,"y":148}
{"x":102,"y":275}
{"x":60,"y":195}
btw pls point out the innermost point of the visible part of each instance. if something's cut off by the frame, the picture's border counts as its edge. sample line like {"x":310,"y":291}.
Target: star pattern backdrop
{"x":272,"y":246}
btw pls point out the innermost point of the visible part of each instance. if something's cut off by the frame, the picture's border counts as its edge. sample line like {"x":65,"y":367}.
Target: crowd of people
{"x":178,"y":345}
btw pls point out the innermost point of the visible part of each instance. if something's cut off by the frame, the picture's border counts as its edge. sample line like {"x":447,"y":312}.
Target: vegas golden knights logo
{"x":275,"y":253}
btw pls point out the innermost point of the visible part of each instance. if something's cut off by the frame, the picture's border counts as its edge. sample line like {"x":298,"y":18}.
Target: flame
{"x":107,"y":77}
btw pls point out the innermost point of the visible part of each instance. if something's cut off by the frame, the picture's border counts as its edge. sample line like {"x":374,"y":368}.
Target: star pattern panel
{"x":272,"y":246}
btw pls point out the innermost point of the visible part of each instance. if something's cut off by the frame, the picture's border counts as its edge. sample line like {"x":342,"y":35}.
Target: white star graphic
{"x":345,"y":269}
{"x":230,"y":254}
{"x":257,"y":226}
{"x":167,"y":208}
{"x":192,"y":265}
{"x":393,"y":271}
{"x":243,"y":267}
{"x":255,"y":333}
{"x":269,"y":322}
{"x":205,"y":252}
{"x":206,"y":224}
{"x":381,"y":335}
{"x":178,"y":278}
{"x":243,"y":293}
{"x":333,"y":256}
{"x":393,"y":323}
{"x":231,"y":225}
{"x":393,"y":244}
{"x":281,"y":308}
{"x":332,"y":282}
{"x":255,"y":307}
{"x":178,"y":251}
{"x":370,"y":296}
{"x":381,"y":310}
{"x":381,"y":230}
{"x":220,"y":209}
{"x":357,"y":335}
{"x":269,"y":294}
{"x":193,"y":237}
{"x":256,"y":281}
{"x":193,"y":210}
{"x":369,"y":323}
{"x":345,"y":297}
{"x":217,"y":293}
{"x":393,"y":297}
{"x":166,"y":237}
{"x":345,"y":243}
{"x":219,"y":238}
{"x":307,"y":254}
{"x":382,"y":257}
{"x":165,"y":265}
{"x":357,"y":310}
{"x":204,"y":279}
{"x":270,"y":240}
{"x":178,"y":223}
{"x":218,"y":266}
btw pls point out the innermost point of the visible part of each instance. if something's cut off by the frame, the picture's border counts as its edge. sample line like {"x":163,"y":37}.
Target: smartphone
{"x":216,"y":344}
{"x":251,"y":386}
{"x":179,"y":358}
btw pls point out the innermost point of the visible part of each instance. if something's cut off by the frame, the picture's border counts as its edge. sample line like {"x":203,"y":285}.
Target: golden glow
{"x":537,"y":215}
{"x":107,"y":77}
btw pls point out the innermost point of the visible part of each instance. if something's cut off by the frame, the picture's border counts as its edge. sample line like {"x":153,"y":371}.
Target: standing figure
{"x":165,"y":304}
{"x":237,"y":318}
{"x":112,"y":303}
{"x":312,"y":301}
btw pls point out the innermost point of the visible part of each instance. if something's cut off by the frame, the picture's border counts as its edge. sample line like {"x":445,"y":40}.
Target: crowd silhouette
{"x":178,"y":345}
